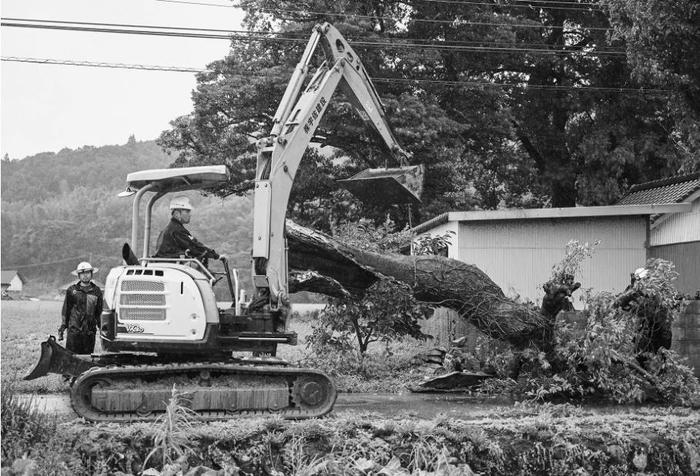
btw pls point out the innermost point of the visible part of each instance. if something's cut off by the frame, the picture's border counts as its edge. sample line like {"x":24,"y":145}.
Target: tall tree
{"x":662,"y":40}
{"x":523,"y":104}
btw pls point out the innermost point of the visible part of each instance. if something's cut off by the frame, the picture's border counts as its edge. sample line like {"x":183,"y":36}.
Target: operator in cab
{"x":175,"y":241}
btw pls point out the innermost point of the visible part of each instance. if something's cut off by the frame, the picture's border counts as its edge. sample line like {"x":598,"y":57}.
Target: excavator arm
{"x":280,"y":154}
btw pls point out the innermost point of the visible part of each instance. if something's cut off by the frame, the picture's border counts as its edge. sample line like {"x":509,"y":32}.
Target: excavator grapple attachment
{"x":398,"y":185}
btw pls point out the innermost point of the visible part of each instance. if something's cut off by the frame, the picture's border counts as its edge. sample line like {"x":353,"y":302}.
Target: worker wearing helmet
{"x":81,"y":312}
{"x":175,"y":241}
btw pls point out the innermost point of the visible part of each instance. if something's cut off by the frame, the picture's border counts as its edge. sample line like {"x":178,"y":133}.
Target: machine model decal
{"x":134,"y":329}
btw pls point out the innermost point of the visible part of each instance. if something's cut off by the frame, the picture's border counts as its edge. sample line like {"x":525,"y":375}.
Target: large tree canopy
{"x":506,"y":104}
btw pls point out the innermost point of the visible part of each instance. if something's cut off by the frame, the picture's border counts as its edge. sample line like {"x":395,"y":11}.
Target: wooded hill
{"x":62,"y":208}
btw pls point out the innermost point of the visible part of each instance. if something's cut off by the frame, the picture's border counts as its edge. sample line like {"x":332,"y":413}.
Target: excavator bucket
{"x":399,"y":185}
{"x":55,"y":359}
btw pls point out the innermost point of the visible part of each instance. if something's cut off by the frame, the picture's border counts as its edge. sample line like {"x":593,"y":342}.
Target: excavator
{"x":162,"y":327}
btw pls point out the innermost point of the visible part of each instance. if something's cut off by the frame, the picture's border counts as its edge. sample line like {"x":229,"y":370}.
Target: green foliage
{"x":604,"y":354}
{"x":365,"y":235}
{"x":387,"y":309}
{"x":433,"y":245}
{"x":604,"y":359}
{"x":23,"y":427}
{"x":574,"y":256}
{"x":387,"y":368}
{"x":523,"y":439}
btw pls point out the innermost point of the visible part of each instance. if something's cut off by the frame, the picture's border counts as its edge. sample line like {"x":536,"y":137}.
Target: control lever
{"x":228,"y":279}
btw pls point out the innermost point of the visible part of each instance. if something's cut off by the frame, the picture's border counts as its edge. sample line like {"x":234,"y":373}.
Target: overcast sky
{"x":48,"y":107}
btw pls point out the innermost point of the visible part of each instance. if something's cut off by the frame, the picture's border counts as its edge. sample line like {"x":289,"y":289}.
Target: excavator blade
{"x":56,"y":359}
{"x":398,"y":185}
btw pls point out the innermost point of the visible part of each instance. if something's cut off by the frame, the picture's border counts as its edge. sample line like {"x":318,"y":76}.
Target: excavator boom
{"x":295,"y":122}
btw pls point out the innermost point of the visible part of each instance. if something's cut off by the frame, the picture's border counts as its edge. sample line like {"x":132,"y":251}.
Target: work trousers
{"x":80,"y":343}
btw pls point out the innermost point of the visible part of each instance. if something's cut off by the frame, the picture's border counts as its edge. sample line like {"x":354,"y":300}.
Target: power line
{"x":100,"y":64}
{"x":199,"y":3}
{"x":244,"y":35}
{"x":543,"y":87}
{"x":455,"y":21}
{"x":374,"y":17}
{"x":516,"y":4}
{"x":547,"y":5}
{"x":226,"y":33}
{"x":472,"y":84}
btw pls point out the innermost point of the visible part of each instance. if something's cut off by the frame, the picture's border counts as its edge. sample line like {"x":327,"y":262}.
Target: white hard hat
{"x":641,"y":273}
{"x":180,"y":203}
{"x":84,"y":266}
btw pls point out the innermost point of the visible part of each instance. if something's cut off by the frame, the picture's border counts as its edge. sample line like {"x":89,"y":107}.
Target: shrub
{"x":611,"y":357}
{"x":387,"y":368}
{"x":23,"y":427}
{"x":386,"y":312}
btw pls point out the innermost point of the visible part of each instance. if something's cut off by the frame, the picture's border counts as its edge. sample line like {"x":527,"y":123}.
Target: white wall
{"x":15,"y":284}
{"x":677,"y":227}
{"x":519,"y":254}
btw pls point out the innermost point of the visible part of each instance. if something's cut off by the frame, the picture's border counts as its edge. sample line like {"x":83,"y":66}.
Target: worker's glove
{"x":61,"y":330}
{"x":223,"y":257}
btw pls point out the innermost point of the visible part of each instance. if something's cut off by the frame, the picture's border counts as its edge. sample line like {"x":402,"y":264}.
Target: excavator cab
{"x":167,"y":305}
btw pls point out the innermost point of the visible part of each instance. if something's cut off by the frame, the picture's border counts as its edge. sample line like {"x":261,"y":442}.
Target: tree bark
{"x":433,"y":279}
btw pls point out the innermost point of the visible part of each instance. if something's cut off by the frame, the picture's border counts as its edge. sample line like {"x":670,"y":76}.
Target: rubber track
{"x":81,"y":389}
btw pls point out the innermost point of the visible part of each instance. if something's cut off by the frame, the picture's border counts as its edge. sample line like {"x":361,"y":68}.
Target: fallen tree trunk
{"x":433,"y":279}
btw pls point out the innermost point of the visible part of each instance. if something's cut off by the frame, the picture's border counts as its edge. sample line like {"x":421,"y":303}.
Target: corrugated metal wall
{"x":519,"y":254}
{"x":686,"y":257}
{"x":677,"y":228}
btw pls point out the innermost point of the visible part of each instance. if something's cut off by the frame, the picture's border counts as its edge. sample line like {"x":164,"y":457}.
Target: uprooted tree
{"x":601,"y":360}
{"x":328,"y":266}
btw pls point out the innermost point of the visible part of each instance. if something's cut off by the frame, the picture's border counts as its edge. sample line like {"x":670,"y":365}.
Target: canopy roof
{"x":179,"y":179}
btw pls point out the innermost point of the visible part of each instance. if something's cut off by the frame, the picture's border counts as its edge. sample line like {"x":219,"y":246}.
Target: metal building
{"x":674,"y":237}
{"x":517,"y":248}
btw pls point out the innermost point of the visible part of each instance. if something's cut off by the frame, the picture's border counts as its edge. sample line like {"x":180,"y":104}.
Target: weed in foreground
{"x":173,"y":429}
{"x":23,"y":426}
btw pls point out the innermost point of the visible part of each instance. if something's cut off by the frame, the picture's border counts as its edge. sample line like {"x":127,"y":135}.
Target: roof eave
{"x":548,"y":213}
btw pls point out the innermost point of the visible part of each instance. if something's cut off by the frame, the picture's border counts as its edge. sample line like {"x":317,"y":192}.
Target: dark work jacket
{"x":175,"y":239}
{"x":82,"y":308}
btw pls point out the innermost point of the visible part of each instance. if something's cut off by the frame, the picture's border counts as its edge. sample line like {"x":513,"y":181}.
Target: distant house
{"x":676,"y":236}
{"x":12,"y":281}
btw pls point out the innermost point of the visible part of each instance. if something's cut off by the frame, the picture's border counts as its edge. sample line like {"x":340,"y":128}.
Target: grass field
{"x":26,"y":324}
{"x":528,"y":439}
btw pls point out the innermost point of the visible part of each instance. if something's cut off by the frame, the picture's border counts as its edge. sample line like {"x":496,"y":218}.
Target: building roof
{"x":668,"y":190}
{"x":540,"y":213}
{"x":8,"y":274}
